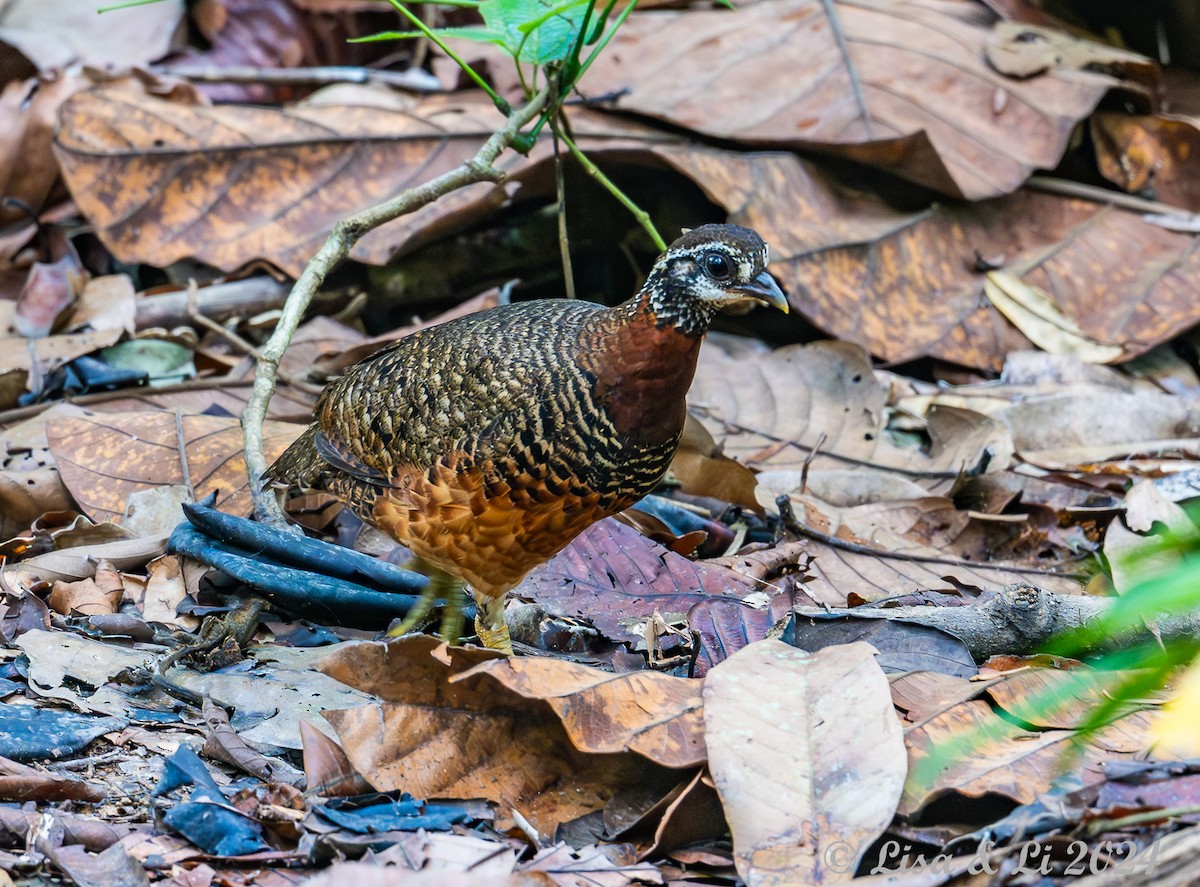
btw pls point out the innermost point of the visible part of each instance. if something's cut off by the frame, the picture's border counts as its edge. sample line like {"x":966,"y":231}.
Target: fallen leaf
{"x":807,"y":754}
{"x":656,"y":715}
{"x":1033,"y":312}
{"x":819,"y":407}
{"x":164,"y":592}
{"x":88,"y":597}
{"x":104,"y":458}
{"x":1024,"y":49}
{"x":21,"y":783}
{"x":50,"y":289}
{"x":1050,"y":697}
{"x":869,"y":82}
{"x":857,"y":558}
{"x":342,"y":158}
{"x":106,"y":303}
{"x":59,"y":33}
{"x":604,"y":866}
{"x":616,"y":578}
{"x":471,"y":737}
{"x":28,"y":170}
{"x":1120,"y":279}
{"x":49,"y":352}
{"x":1066,"y":430}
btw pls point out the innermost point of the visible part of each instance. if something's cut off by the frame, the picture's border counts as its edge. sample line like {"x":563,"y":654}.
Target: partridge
{"x":487,"y":443}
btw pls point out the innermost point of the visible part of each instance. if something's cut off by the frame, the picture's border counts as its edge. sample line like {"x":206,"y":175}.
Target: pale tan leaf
{"x":59,"y":33}
{"x":806,"y":751}
{"x":1033,"y":312}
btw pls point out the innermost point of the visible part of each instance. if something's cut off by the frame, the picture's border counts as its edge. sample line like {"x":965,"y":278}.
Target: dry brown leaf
{"x":21,"y":783}
{"x":862,"y":565}
{"x":654,"y":714}
{"x":912,"y":93}
{"x":49,"y":290}
{"x":1022,"y":49}
{"x":106,"y":303}
{"x":924,"y":694}
{"x":230,"y":175}
{"x":1151,"y":156}
{"x":327,"y":770}
{"x":266,"y":34}
{"x":103,"y":458}
{"x":28,"y":170}
{"x":972,"y":751}
{"x":1119,"y":279}
{"x":1032,"y":310}
{"x":79,"y":562}
{"x":604,"y":865}
{"x":433,"y":859}
{"x":771,"y":411}
{"x":20,"y":353}
{"x":26,"y":494}
{"x":806,"y":752}
{"x":471,"y":738}
{"x":1051,"y":697}
{"x":702,"y":469}
{"x":1002,"y":757}
{"x":89,"y":597}
{"x":164,"y":592}
{"x":229,"y":399}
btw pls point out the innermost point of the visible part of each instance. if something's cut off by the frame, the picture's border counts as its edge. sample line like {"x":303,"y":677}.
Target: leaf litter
{"x":750,"y":673}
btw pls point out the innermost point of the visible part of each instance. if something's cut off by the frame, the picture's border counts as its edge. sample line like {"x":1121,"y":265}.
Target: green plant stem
{"x":337,"y":246}
{"x":643,"y":218}
{"x":499,"y":101}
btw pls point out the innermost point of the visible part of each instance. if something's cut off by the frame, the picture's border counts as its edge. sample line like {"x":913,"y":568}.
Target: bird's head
{"x":710,"y":269}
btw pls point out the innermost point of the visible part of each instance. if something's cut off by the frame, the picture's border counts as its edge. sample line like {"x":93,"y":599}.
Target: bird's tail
{"x":299,"y":465}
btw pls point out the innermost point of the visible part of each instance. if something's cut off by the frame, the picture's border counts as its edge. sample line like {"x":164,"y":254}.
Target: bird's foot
{"x":490,"y":624}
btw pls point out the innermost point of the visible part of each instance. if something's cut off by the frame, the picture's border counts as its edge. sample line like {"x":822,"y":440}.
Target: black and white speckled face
{"x":708,"y":269}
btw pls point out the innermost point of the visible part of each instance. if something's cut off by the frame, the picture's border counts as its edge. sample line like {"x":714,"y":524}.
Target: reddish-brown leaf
{"x":911,"y":93}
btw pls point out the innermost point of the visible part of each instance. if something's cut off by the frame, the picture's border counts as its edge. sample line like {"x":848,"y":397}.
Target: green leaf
{"x":535,"y":31}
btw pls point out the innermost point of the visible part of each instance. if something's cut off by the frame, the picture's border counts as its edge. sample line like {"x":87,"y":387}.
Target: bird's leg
{"x":442,"y":588}
{"x":490,"y":624}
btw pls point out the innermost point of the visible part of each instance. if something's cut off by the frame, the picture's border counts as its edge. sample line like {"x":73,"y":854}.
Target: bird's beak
{"x":764,"y":290}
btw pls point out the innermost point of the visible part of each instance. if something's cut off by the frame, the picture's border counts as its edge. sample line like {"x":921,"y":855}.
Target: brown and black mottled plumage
{"x":487,"y":443}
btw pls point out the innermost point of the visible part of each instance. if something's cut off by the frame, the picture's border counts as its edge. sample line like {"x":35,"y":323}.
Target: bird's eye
{"x":718,"y":266}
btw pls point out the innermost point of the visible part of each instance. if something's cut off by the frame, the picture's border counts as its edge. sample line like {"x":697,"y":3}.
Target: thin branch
{"x":181,"y":440}
{"x":782,"y":442}
{"x":1067,"y":188}
{"x":793,"y":523}
{"x":238,"y":342}
{"x":337,"y":246}
{"x":564,"y":242}
{"x":413,"y":80}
